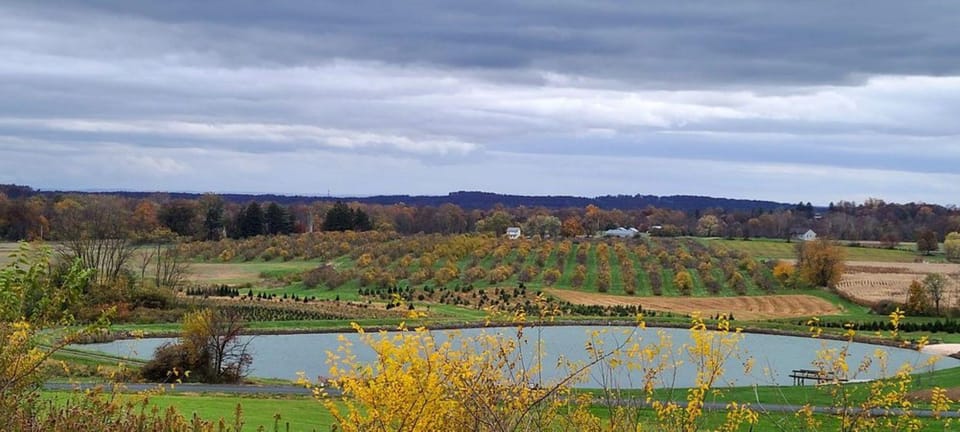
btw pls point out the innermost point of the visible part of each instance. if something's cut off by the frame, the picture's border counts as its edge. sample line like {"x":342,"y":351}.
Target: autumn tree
{"x":918,"y":303}
{"x":593,"y":214}
{"x":951,"y":246}
{"x":926,"y":241}
{"x":571,"y":227}
{"x":820,"y":262}
{"x":210,"y":348}
{"x":496,"y":223}
{"x":709,"y":226}
{"x":450,"y":219}
{"x":936,"y":286}
{"x":145,"y":220}
{"x":542,"y":225}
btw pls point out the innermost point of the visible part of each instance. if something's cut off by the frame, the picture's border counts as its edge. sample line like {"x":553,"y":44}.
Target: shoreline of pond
{"x":880,"y":341}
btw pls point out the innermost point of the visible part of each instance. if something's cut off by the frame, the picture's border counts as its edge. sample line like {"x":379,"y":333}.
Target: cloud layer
{"x":773,"y":100}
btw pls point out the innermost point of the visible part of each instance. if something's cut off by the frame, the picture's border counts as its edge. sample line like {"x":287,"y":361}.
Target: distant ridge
{"x":468,"y":200}
{"x":486,"y":200}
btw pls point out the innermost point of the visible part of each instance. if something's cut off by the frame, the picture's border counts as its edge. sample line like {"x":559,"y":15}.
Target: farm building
{"x":513,"y":233}
{"x":807,"y":235}
{"x":621,"y":232}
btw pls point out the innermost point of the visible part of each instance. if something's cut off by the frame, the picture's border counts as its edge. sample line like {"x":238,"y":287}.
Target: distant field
{"x":874,"y":281}
{"x":7,"y":248}
{"x":779,"y":249}
{"x":246,"y":272}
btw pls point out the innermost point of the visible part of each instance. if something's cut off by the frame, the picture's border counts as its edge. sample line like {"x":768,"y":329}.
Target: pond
{"x":773,"y":357}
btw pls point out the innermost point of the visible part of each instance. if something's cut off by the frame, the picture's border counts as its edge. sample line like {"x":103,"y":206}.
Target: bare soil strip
{"x":744,"y":307}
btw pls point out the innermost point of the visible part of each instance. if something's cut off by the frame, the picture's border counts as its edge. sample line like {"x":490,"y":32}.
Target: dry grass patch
{"x":925,"y":395}
{"x":743,"y":307}
{"x":871,"y":282}
{"x":239,"y":273}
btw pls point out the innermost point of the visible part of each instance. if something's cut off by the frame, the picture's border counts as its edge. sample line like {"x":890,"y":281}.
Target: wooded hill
{"x":468,"y":200}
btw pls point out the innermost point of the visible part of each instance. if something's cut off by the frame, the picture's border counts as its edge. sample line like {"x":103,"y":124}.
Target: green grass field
{"x":779,"y":249}
{"x":306,"y":414}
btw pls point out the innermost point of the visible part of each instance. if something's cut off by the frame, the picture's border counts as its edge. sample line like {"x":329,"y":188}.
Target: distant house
{"x":621,"y":232}
{"x":513,"y":233}
{"x":807,"y":235}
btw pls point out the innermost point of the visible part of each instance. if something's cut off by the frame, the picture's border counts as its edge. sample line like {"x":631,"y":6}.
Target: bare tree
{"x":172,"y":268}
{"x":146,"y":258}
{"x":936,"y":286}
{"x":97,"y":233}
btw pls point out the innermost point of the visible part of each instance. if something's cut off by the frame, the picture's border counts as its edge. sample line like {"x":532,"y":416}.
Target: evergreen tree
{"x":250,"y":221}
{"x":339,"y":218}
{"x":361,"y":221}
{"x":178,"y":216}
{"x":277,"y":220}
{"x":292,"y":222}
{"x":213,"y":217}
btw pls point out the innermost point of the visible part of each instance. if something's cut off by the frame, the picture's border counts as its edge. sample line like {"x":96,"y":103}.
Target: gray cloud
{"x":680,"y":43}
{"x":436,"y":96}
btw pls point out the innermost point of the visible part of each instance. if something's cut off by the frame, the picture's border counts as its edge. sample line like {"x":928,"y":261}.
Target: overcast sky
{"x":786,"y":101}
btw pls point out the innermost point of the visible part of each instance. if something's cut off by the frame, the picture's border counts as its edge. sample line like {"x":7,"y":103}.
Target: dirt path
{"x":745,"y":307}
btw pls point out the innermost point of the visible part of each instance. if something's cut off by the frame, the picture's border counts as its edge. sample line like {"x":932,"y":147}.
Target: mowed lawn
{"x":779,"y":249}
{"x":300,"y":413}
{"x":297,"y":414}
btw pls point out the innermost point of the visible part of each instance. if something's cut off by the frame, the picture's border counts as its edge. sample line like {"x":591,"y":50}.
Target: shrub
{"x":326,"y":275}
{"x":684,"y":282}
{"x":169,"y":363}
{"x":551,"y":276}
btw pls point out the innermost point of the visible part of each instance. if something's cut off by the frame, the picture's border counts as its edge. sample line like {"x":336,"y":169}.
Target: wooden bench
{"x":800,"y":376}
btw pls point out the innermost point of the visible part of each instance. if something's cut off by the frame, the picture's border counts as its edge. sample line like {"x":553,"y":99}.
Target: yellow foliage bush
{"x":783,"y":271}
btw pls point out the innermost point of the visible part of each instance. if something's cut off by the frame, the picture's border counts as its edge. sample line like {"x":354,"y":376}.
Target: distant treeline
{"x":463,"y":199}
{"x":29,"y":214}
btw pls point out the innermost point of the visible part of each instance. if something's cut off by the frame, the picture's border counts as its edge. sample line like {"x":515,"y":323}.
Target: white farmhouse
{"x":808,"y":236}
{"x":513,"y":233}
{"x":621,"y":232}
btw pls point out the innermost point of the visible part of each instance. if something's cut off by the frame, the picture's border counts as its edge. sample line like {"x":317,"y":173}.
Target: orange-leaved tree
{"x":820,"y":262}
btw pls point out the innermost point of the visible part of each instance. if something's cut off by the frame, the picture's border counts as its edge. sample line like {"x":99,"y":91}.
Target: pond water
{"x":773,"y":357}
